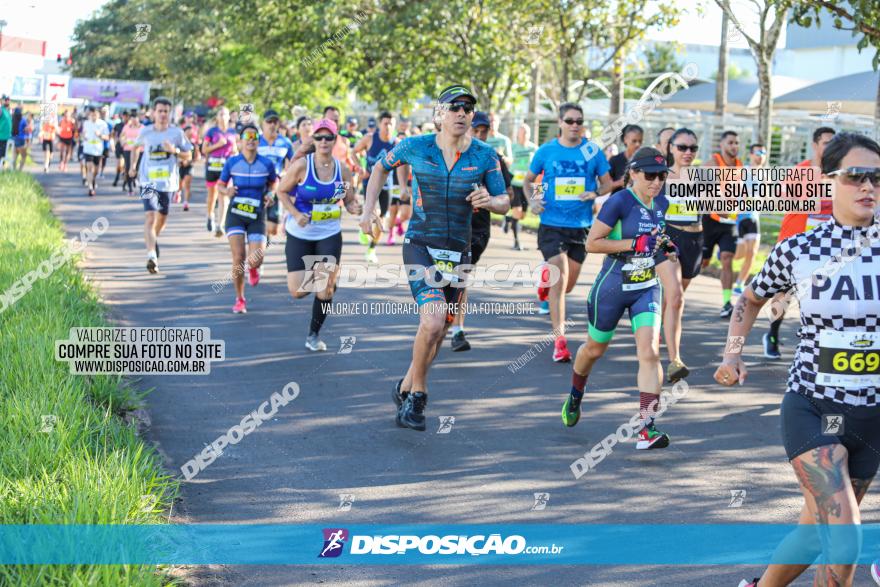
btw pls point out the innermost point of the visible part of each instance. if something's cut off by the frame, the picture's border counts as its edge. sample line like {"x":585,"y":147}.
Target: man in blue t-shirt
{"x":278,"y":149}
{"x":575,"y":174}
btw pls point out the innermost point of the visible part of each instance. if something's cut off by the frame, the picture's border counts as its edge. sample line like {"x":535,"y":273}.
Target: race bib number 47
{"x":569,"y":188}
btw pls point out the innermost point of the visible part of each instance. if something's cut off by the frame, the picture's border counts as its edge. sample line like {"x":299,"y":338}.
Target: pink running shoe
{"x":253,"y":277}
{"x":544,"y":286}
{"x":240,"y":306}
{"x":560,"y":351}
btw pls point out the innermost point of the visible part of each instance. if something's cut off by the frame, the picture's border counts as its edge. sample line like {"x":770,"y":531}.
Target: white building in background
{"x":815,"y":54}
{"x":821,"y":53}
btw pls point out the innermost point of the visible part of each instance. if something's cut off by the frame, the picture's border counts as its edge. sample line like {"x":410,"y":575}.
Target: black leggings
{"x":128,"y":183}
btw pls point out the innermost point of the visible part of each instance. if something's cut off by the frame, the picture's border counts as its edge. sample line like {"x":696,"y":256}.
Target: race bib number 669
{"x":849,"y":359}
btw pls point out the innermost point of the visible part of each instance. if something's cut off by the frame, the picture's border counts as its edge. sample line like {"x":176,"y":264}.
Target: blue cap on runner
{"x":480,"y":119}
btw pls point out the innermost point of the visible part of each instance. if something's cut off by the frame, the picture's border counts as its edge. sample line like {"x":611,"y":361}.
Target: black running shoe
{"x":726,"y":311}
{"x":397,"y":395}
{"x":152,"y":265}
{"x":771,"y":346}
{"x":411,"y":413}
{"x":459,"y":342}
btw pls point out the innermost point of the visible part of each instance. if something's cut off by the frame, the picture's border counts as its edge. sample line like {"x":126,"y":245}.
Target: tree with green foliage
{"x":771,"y":16}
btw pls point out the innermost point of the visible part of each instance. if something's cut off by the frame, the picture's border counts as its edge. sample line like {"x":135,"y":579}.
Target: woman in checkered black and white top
{"x":831,"y":413}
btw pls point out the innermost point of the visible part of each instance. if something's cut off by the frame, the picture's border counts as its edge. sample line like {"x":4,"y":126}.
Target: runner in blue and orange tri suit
{"x":247,"y":180}
{"x":629,"y":231}
{"x":452,"y":176}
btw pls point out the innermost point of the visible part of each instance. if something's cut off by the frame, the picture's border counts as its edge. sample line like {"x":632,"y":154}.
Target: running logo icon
{"x":48,"y":112}
{"x":345,"y":501}
{"x":334,"y":540}
{"x":48,"y":423}
{"x":737,"y":496}
{"x":446,"y":423}
{"x":832,"y":424}
{"x":534,"y":36}
{"x":346,"y":344}
{"x":832,"y":110}
{"x":541,"y":501}
{"x":320,"y":269}
{"x":142,"y":31}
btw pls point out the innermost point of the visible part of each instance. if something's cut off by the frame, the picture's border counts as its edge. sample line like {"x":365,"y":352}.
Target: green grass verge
{"x":92,"y":467}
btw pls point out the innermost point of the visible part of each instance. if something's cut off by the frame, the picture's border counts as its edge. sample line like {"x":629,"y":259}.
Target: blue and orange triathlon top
{"x":441,"y":215}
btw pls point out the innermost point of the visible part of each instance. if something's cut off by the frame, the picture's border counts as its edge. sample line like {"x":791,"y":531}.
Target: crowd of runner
{"x":437,"y":185}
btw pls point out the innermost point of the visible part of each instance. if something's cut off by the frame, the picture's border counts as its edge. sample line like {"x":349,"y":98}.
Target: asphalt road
{"x":507,"y":442}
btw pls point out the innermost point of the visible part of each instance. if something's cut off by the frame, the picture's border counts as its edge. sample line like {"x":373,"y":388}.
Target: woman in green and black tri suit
{"x":629,"y":231}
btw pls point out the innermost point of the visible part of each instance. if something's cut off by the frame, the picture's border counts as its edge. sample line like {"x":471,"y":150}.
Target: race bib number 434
{"x":638,"y":273}
{"x":849,"y":359}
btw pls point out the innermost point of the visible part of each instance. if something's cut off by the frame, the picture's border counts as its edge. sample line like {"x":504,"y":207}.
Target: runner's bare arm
{"x":402,"y":177}
{"x":362,"y":145}
{"x":528,"y":184}
{"x":135,"y":159}
{"x":378,"y":177}
{"x":732,"y":368}
{"x":606,"y":185}
{"x":350,"y":200}
{"x":292,"y":178}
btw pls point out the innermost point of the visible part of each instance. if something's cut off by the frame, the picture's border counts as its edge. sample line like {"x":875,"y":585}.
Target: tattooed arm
{"x":733,"y":369}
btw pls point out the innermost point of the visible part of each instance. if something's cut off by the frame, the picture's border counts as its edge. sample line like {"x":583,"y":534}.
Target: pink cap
{"x":325,"y":123}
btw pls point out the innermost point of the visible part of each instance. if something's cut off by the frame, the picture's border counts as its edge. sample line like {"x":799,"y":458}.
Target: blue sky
{"x":54,"y":21}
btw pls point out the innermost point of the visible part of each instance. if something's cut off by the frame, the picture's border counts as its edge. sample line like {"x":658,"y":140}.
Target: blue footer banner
{"x":503,"y":544}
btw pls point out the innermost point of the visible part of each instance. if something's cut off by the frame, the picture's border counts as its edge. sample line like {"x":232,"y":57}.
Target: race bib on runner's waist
{"x":159,"y":175}
{"x":638,"y":273}
{"x":246,"y":207}
{"x":446,"y":262}
{"x":569,"y":188}
{"x":216,"y":163}
{"x":326,"y":212}
{"x":849,"y":359}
